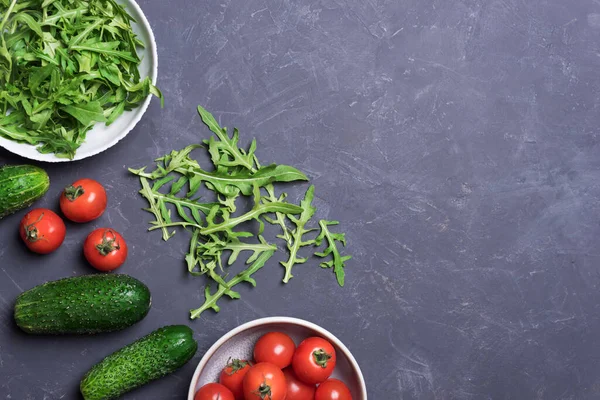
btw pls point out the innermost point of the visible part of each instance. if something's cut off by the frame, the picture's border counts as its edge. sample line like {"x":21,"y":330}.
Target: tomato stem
{"x":264,"y":391}
{"x":321,"y":357}
{"x":108,"y":245}
{"x":72,"y":192}
{"x":235,"y":365}
{"x":31,"y":231}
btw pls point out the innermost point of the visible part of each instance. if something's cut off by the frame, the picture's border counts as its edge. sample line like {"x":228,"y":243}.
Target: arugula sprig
{"x":225,"y":151}
{"x":338,"y":262}
{"x":279,"y":217}
{"x":66,"y":65}
{"x":220,"y":235}
{"x":224,"y":288}
{"x":308,"y":210}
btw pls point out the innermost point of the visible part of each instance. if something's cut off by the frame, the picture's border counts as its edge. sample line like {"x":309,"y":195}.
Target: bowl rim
{"x":277,"y":320}
{"x":143,"y":23}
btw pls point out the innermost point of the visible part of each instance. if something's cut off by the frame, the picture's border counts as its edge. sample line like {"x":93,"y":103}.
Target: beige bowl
{"x":239,"y":342}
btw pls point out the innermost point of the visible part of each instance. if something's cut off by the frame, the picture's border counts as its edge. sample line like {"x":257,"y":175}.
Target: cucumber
{"x":151,"y":357}
{"x":20,"y":186}
{"x":83,"y":305}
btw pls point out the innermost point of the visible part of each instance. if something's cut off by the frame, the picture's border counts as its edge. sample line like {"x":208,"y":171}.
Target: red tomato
{"x":264,"y":381}
{"x":314,"y":360}
{"x":42,"y":230}
{"x":332,"y":389}
{"x":214,"y":391}
{"x":105,"y":249}
{"x":233,"y":375}
{"x":296,"y":389}
{"x":275,"y":348}
{"x":83,"y":201}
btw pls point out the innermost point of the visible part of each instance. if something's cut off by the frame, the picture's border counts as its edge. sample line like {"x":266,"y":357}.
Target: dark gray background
{"x":456,"y":141}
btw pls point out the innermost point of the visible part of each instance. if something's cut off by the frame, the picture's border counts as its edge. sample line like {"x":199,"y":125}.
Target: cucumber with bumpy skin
{"x":83,"y":305}
{"x":20,"y":187}
{"x":151,"y":357}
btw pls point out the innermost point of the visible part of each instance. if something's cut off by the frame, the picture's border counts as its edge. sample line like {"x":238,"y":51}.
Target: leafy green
{"x":228,"y":222}
{"x":87,"y":114}
{"x":296,"y":243}
{"x":225,"y":151}
{"x":221,"y":180}
{"x":279,"y":217}
{"x":219,"y":234}
{"x":66,"y":65}
{"x":338,"y":262}
{"x":210,"y":299}
{"x":216,"y":247}
{"x":188,"y":208}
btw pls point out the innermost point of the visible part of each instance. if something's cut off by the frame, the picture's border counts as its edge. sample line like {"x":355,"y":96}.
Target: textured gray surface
{"x":457,"y":141}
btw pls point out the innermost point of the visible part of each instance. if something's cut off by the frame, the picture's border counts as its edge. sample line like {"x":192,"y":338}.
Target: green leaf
{"x":234,"y":156}
{"x":115,"y":113}
{"x":40,"y":119}
{"x":86,"y":113}
{"x":229,"y":223}
{"x":297,"y":234}
{"x":210,"y":299}
{"x":105,"y":49}
{"x":17,"y":133}
{"x":86,"y":32}
{"x":29,"y":21}
{"x":279,"y":217}
{"x":64,"y":14}
{"x":159,"y":205}
{"x":36,"y":78}
{"x":222,"y":181}
{"x":338,"y":262}
{"x":215,"y":247}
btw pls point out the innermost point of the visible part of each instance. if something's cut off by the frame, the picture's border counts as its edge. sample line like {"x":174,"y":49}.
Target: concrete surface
{"x":456,"y":141}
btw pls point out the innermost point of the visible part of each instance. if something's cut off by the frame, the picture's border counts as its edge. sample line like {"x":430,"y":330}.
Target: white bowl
{"x":102,"y":137}
{"x":239,"y":343}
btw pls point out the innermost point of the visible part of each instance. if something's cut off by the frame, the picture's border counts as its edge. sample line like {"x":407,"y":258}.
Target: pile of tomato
{"x":43,"y":231}
{"x":280,"y":371}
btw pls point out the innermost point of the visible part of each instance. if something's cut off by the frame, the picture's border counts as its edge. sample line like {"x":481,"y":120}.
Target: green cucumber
{"x":151,"y":357}
{"x":83,"y":305}
{"x":20,"y":186}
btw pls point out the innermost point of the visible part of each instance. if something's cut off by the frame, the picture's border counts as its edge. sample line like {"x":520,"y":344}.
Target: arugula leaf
{"x":215,"y":248}
{"x":211,"y":299}
{"x":225,"y":151}
{"x":228,"y":223}
{"x":307,"y":212}
{"x":87,"y":114}
{"x":280,"y":218}
{"x":158,"y":206}
{"x":338,"y":261}
{"x":17,"y":133}
{"x":222,"y":180}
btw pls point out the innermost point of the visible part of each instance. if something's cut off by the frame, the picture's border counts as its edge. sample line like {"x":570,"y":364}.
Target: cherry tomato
{"x":314,"y":360}
{"x":332,"y":389}
{"x":83,"y":201}
{"x":105,"y":249}
{"x":264,"y":381}
{"x":214,"y":391}
{"x":233,"y":375}
{"x":275,"y":348}
{"x":42,"y":230}
{"x":296,"y":389}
